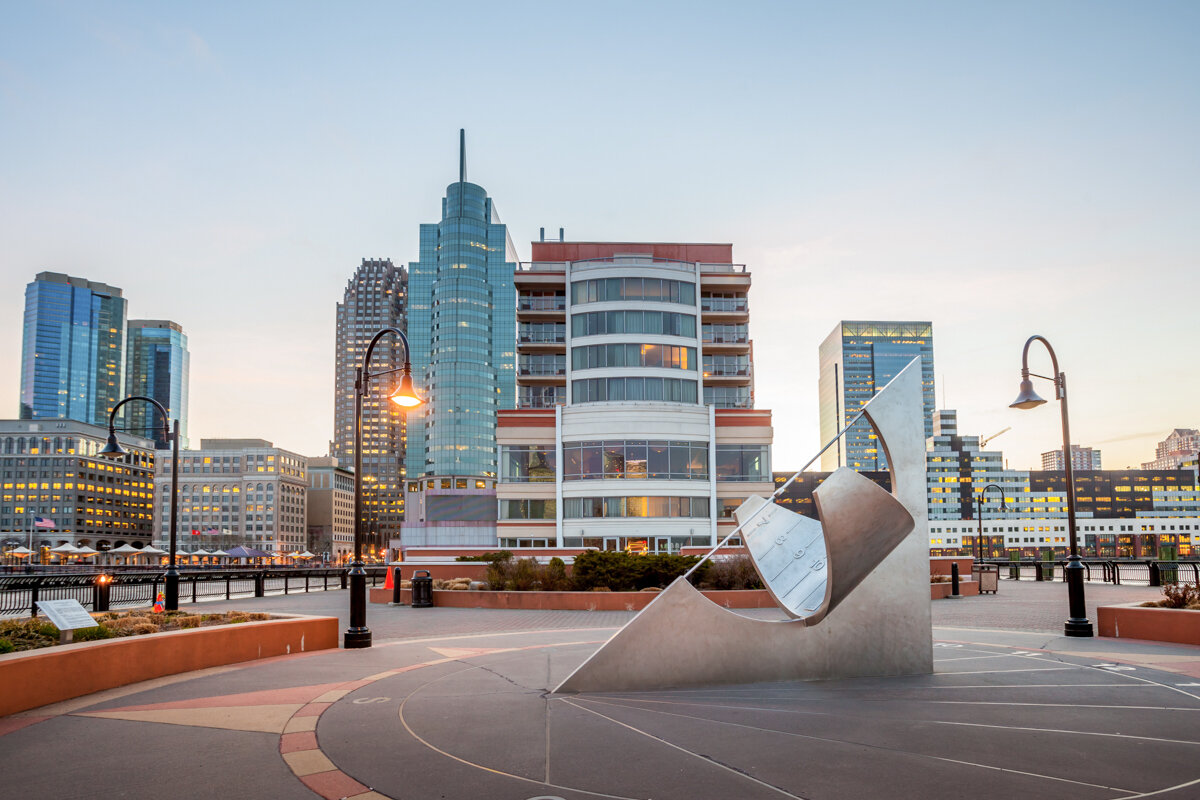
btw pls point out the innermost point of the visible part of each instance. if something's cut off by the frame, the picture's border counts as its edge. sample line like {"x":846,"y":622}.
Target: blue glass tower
{"x":71,"y":353}
{"x":156,"y":366}
{"x":462,"y":330}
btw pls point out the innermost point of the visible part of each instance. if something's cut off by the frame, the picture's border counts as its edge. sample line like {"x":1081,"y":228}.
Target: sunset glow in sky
{"x":1001,"y":169}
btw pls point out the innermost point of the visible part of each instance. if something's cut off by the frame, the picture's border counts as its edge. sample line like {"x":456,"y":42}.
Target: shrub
{"x":189,"y":621}
{"x":554,"y":577}
{"x":734,"y":572}
{"x":499,"y":555}
{"x":93,"y":634}
{"x":624,"y":572}
{"x":1179,"y":595}
{"x":6,"y":646}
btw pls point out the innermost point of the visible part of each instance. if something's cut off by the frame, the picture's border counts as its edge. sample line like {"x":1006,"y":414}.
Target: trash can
{"x":422,"y":589}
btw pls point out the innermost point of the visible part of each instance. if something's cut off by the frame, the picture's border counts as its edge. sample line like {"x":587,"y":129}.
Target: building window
{"x":639,"y":460}
{"x":611,"y":507}
{"x":526,"y":463}
{"x":528,"y":509}
{"x":655,"y":290}
{"x":743,"y":462}
{"x":667,"y":390}
{"x":633,"y":355}
{"x":665,"y":323}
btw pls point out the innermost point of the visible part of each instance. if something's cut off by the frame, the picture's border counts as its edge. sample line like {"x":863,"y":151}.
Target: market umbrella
{"x":246,"y":552}
{"x":200,"y":552}
{"x":221,"y":553}
{"x":307,"y":554}
{"x":123,"y":550}
{"x":151,"y":550}
{"x":64,"y":549}
{"x":86,"y":551}
{"x":20,"y":552}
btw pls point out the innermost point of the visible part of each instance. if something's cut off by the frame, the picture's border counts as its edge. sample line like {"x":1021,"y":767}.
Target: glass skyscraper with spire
{"x":462,"y":330}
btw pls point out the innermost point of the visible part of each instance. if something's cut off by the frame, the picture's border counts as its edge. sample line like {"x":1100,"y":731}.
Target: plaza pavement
{"x":454,"y":703}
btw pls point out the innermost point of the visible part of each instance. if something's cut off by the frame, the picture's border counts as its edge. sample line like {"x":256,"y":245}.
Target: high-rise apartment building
{"x":462,"y":328}
{"x":1173,"y":451}
{"x":1081,"y":458}
{"x":156,"y":366}
{"x":375,"y":298}
{"x":71,"y":354}
{"x":857,"y":360}
{"x":635,"y":429}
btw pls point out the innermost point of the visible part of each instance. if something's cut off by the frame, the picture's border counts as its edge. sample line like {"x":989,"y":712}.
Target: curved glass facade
{"x":462,"y":330}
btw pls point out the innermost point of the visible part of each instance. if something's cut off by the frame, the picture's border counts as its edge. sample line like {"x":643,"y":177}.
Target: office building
{"x":1081,"y":458}
{"x":330,"y":510}
{"x":234,"y":492}
{"x":376,"y":297}
{"x":858,"y":358}
{"x":1171,"y":452}
{"x":52,"y":469}
{"x":156,"y":366}
{"x":462,"y":328}
{"x":72,"y":347}
{"x":635,"y":429}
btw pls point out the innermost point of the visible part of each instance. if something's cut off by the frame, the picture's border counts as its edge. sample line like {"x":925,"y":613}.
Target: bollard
{"x":100,"y":592}
{"x":344,"y":578}
{"x":954,"y":595}
{"x":1037,"y":570}
{"x":260,"y":584}
{"x":396,"y":587}
{"x":1155,"y":573}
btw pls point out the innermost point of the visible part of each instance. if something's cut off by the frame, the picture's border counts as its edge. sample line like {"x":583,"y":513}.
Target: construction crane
{"x":983,"y":442}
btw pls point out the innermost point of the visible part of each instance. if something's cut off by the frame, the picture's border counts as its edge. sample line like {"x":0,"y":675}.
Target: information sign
{"x":67,"y":615}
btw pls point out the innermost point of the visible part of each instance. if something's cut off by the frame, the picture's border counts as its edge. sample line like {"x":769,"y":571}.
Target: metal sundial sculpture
{"x":867,"y":558}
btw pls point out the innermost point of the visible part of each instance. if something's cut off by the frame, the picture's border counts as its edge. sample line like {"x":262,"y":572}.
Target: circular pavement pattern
{"x":992,"y":722}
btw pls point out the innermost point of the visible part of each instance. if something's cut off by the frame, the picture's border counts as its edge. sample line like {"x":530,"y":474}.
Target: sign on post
{"x":67,"y":616}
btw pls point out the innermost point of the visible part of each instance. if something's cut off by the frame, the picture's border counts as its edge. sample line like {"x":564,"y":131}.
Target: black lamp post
{"x":358,"y":634}
{"x":171,"y":434}
{"x":1078,"y":623}
{"x":979,"y":512}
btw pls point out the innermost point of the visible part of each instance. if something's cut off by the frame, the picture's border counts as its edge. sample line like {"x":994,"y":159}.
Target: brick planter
{"x":966,"y":588}
{"x":33,"y":678}
{"x":572,"y":601}
{"x":1179,"y":625}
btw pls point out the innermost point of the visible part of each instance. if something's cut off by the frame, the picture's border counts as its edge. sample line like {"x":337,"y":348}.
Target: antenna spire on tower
{"x":462,"y":155}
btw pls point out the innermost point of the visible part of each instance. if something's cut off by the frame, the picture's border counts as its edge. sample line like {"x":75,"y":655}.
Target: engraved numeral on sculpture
{"x":799,"y":553}
{"x":816,"y":564}
{"x":781,"y":538}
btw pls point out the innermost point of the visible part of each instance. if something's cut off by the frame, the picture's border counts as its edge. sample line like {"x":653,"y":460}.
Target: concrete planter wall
{"x":35,"y":678}
{"x":572,"y":601}
{"x":940,"y":591}
{"x":1179,"y":625}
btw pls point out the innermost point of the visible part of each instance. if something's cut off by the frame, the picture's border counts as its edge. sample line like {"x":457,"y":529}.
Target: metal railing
{"x":1117,"y":572}
{"x":19,"y":594}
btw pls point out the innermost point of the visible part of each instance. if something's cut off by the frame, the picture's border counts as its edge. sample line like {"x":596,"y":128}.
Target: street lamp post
{"x":171,"y":433}
{"x":1077,"y":624}
{"x":979,"y":512}
{"x":358,"y":634}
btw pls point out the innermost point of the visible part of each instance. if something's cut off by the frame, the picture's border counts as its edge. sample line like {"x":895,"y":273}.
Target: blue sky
{"x":1002,"y":169}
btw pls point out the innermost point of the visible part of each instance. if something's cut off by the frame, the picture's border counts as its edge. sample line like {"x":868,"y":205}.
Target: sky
{"x":1000,"y":169}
